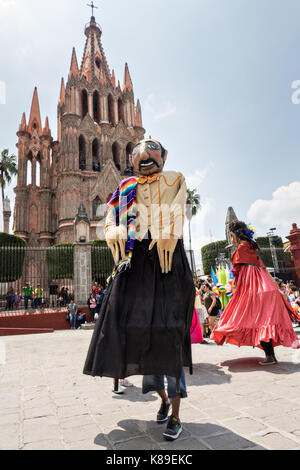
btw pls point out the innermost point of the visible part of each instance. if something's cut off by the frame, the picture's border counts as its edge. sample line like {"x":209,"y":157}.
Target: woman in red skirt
{"x":258,"y":314}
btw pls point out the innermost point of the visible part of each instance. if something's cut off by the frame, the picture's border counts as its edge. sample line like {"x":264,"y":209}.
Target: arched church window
{"x":96,"y":155}
{"x":38,"y":173}
{"x":97,"y":203}
{"x":98,"y":63}
{"x":121,"y":110}
{"x":82,"y":153}
{"x":28,"y":172}
{"x":111,"y":112}
{"x":116,"y":151}
{"x":84,"y":103}
{"x":96,"y":107}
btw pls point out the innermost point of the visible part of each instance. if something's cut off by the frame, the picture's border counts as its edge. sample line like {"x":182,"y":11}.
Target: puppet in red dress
{"x":258,"y":314}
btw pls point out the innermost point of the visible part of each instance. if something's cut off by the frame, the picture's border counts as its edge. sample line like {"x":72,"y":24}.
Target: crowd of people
{"x":209,"y":307}
{"x":37,"y":297}
{"x":77,"y":317}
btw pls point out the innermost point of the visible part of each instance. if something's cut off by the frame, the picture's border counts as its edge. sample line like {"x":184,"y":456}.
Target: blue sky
{"x":214,"y":78}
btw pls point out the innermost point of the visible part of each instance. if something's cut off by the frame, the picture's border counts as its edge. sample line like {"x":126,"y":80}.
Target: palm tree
{"x":193,"y":205}
{"x":8,"y":168}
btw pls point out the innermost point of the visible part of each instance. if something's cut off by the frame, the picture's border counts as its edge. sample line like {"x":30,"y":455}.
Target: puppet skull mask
{"x":148,"y":157}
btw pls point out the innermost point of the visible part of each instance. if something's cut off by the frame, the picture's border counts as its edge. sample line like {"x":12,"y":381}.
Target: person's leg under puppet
{"x":155,"y":383}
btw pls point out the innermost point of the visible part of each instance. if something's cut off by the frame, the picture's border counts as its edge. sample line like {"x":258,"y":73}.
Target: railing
{"x":102,"y":263}
{"x":42,"y":267}
{"x":38,"y":267}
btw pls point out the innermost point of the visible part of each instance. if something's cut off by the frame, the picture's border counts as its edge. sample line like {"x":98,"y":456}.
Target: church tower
{"x":98,"y":124}
{"x":33,"y":190}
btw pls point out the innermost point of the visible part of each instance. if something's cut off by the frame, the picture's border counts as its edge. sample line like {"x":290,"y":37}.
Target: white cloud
{"x":196,"y":179}
{"x":280,"y":211}
{"x":7,"y":3}
{"x":158,"y":108}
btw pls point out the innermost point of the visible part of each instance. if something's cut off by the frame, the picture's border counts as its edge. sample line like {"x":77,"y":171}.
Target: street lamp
{"x":271,"y":235}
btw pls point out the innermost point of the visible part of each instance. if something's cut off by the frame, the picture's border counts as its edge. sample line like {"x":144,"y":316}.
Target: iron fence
{"x":38,"y":267}
{"x":102,"y":263}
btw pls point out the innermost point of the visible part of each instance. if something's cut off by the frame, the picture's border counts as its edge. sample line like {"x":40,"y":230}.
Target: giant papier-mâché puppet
{"x":146,"y":314}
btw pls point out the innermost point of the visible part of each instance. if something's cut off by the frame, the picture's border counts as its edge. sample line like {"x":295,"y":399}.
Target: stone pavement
{"x":233,"y":403}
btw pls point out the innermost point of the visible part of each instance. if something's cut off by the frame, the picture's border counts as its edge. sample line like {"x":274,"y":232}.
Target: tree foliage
{"x":12,"y":254}
{"x":210,"y":252}
{"x":60,"y":261}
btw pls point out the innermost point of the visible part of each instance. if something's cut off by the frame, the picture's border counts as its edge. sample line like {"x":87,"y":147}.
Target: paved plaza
{"x":233,"y":403}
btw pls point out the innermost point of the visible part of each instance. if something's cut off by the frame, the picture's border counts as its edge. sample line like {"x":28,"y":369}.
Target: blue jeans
{"x":73,"y":318}
{"x":154,"y":383}
{"x":26,"y":302}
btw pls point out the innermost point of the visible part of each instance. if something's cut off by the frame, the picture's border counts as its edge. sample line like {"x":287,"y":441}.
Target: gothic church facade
{"x":98,"y":124}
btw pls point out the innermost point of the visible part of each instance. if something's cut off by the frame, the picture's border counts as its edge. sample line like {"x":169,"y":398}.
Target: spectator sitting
{"x":81,"y":319}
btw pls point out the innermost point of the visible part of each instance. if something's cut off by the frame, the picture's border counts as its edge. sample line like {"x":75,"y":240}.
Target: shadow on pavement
{"x":135,"y":394}
{"x":134,"y":434}
{"x":249,"y":364}
{"x":206,"y":373}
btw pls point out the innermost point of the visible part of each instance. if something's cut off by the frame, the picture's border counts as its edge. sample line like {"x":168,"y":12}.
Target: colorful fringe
{"x":123,"y":203}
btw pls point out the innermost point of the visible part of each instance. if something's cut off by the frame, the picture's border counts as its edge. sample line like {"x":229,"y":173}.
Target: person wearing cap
{"x":28,"y":290}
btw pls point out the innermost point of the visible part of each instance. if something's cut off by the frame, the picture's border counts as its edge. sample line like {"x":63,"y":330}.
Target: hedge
{"x":265,"y":252}
{"x":60,"y":261}
{"x":211,"y":252}
{"x":12,"y":254}
{"x":102,"y":261}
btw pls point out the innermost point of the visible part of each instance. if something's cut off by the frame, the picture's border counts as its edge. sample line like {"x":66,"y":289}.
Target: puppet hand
{"x":165,"y":250}
{"x":116,"y":238}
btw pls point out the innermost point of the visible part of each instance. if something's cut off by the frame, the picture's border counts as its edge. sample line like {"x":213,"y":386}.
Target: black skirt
{"x":145,"y":318}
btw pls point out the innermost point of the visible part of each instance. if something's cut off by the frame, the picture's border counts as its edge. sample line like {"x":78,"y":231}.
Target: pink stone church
{"x":98,"y":123}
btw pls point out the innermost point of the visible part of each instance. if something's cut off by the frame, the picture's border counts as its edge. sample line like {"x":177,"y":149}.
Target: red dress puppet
{"x":257,"y":311}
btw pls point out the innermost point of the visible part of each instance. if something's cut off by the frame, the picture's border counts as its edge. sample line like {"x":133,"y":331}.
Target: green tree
{"x":193,"y":205}
{"x":8,"y":169}
{"x":210,"y":252}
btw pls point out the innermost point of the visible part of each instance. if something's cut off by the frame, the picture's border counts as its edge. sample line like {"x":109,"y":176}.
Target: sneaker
{"x":126,"y":383}
{"x":268,"y":361}
{"x":162,"y":415}
{"x":173,"y":429}
{"x":120,"y":390}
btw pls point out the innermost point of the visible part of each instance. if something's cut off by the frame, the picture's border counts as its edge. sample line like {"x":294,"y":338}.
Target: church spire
{"x":127,"y":79}
{"x":94,"y":61}
{"x":35,"y":115}
{"x":47,"y":130}
{"x":62,"y":96}
{"x":74,"y":70}
{"x":23,"y":125}
{"x":113,"y":79}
